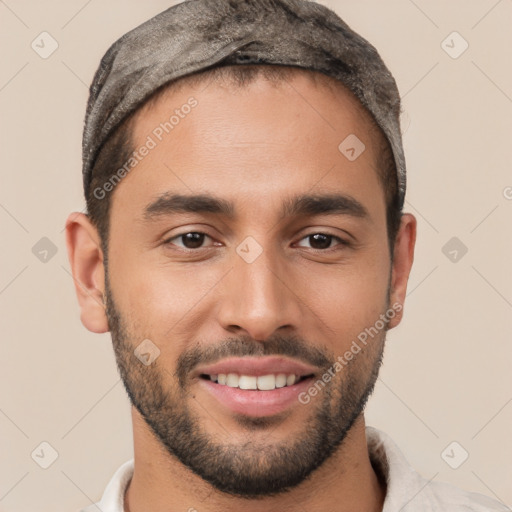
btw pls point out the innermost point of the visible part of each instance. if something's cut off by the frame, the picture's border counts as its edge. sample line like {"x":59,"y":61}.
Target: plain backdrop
{"x":446,"y":375}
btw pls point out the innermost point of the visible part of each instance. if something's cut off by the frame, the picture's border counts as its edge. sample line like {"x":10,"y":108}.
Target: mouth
{"x":255,"y":386}
{"x":267,"y":382}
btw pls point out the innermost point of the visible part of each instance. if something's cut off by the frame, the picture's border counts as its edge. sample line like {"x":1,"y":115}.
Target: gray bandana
{"x":199,"y":34}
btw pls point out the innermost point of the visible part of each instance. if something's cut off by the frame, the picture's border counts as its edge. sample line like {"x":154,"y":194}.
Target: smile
{"x":253,"y":382}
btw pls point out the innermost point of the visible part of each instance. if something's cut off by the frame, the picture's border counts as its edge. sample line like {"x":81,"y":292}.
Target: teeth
{"x":247,"y":382}
{"x":280,"y":380}
{"x":266,"y":382}
{"x":262,"y":382}
{"x":232,"y":380}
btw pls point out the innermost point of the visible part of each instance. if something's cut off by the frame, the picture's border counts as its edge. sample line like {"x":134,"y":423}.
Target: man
{"x":245,"y":245}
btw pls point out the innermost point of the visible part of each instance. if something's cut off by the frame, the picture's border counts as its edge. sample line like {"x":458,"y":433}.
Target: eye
{"x":190,"y":240}
{"x":322,"y":241}
{"x":193,"y":240}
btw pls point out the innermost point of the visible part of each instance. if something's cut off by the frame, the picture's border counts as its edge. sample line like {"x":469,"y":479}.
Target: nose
{"x":257,"y":298}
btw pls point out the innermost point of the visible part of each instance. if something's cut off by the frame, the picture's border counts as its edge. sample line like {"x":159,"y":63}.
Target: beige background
{"x":446,"y":375}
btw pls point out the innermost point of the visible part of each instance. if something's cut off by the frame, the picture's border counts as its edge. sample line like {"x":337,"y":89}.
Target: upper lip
{"x":257,"y":365}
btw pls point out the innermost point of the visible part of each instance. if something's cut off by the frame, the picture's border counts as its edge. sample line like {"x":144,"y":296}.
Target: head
{"x":244,"y":234}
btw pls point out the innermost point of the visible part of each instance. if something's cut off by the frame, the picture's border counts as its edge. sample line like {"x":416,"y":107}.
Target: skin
{"x":254,"y":147}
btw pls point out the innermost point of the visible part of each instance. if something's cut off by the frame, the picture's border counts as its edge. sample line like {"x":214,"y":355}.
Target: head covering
{"x":198,"y":34}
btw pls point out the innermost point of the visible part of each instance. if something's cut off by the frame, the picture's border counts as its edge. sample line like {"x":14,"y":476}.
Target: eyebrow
{"x":299,"y":205}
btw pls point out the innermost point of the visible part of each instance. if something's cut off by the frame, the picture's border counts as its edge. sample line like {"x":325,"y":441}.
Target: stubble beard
{"x":250,"y":469}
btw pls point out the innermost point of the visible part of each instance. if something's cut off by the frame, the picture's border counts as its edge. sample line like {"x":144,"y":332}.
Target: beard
{"x":252,"y":468}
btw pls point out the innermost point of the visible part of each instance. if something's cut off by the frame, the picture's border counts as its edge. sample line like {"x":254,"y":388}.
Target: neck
{"x":345,"y":482}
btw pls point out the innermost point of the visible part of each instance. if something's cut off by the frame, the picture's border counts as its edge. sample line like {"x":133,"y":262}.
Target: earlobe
{"x":402,"y":263}
{"x":86,"y":261}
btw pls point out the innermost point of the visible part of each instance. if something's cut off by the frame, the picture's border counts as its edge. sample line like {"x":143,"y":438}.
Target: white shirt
{"x":407,"y":490}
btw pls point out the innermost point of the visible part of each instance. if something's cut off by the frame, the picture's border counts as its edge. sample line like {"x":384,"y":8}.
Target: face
{"x":265,"y":280}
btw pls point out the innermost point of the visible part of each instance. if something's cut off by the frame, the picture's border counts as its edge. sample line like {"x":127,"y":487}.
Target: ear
{"x":402,"y":263}
{"x":86,"y":259}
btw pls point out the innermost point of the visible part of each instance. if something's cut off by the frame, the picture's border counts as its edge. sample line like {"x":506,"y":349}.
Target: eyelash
{"x":341,"y":241}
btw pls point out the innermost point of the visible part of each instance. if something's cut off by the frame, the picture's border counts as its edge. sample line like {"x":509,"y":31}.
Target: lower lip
{"x":256,"y":403}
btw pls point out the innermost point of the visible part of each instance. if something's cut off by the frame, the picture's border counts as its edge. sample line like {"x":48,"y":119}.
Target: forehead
{"x":252,"y":80}
{"x":240,"y":141}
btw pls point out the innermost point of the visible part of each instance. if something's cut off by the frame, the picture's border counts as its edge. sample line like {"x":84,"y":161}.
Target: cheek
{"x":347,"y":299}
{"x":162,"y":298}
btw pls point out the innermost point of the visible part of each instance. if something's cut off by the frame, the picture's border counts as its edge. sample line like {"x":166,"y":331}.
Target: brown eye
{"x":322,"y":241}
{"x":190,"y":240}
